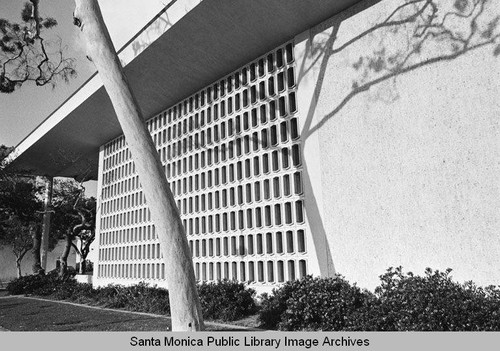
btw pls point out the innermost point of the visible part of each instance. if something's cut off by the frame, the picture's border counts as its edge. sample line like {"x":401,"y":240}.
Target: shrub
{"x":401,"y":302}
{"x":226,"y":300}
{"x":17,"y":286}
{"x":38,"y":284}
{"x":112,"y":296}
{"x":432,"y":302}
{"x":312,"y":304}
{"x":83,"y":293}
{"x":144,"y":298}
{"x":274,"y":306}
{"x":61,"y":290}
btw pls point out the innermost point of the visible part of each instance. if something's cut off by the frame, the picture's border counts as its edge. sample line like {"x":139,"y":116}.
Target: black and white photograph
{"x":250,"y":174}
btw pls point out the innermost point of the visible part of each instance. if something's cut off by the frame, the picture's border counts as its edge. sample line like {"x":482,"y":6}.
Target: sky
{"x":22,"y":111}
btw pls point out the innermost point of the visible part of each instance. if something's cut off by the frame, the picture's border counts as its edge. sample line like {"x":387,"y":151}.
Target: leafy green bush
{"x":312,"y":304}
{"x":432,"y":302}
{"x":401,"y":302}
{"x":83,"y":293}
{"x":37,"y":284}
{"x":17,"y":286}
{"x":61,"y":289}
{"x":149,"y":299}
{"x":274,"y":306}
{"x":140,"y":297}
{"x":226,"y":300}
{"x":223,"y":300}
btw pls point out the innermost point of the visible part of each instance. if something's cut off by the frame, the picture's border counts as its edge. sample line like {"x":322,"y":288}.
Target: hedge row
{"x":225,"y":300}
{"x":402,"y":302}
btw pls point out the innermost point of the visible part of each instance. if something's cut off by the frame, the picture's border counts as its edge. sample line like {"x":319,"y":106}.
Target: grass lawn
{"x":23,"y":314}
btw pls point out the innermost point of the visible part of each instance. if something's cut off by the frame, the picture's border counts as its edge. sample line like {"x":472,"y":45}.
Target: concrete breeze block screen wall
{"x":233,"y":162}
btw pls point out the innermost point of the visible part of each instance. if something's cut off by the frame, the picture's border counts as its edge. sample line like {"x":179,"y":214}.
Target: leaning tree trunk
{"x":64,"y":257}
{"x":46,"y":222}
{"x":184,"y":301}
{"x":84,"y":252}
{"x":37,"y":242}
{"x":19,"y":258}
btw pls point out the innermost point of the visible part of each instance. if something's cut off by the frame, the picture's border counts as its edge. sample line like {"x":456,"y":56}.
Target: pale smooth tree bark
{"x":184,"y":302}
{"x":46,"y":221}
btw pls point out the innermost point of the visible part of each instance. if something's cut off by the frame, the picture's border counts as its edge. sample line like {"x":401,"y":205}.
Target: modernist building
{"x":299,"y":137}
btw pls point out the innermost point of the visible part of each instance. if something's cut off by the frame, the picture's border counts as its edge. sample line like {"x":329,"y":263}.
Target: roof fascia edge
{"x":178,"y":9}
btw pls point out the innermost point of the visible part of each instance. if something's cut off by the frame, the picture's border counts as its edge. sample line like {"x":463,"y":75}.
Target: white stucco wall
{"x":406,"y":173}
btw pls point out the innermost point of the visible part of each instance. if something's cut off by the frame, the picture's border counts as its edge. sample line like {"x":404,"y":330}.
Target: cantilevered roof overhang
{"x":208,"y":42}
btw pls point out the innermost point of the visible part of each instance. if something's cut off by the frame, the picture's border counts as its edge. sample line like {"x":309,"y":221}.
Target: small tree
{"x":74,"y":217}
{"x":19,"y":211}
{"x":86,"y":238}
{"x":26,"y":55}
{"x":85,"y":230}
{"x":17,"y":236}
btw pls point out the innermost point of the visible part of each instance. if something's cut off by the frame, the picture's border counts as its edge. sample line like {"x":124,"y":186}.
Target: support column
{"x":47,"y":208}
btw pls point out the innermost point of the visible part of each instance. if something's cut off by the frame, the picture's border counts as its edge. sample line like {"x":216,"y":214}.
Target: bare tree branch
{"x":26,"y":54}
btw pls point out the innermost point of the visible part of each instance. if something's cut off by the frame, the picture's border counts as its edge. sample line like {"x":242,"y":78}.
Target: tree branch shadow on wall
{"x":153,"y":31}
{"x":433,"y":38}
{"x":416,"y":34}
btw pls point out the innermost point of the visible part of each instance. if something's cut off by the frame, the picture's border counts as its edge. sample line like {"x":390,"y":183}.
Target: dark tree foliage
{"x":25,"y":54}
{"x":21,"y":212}
{"x":4,"y":152}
